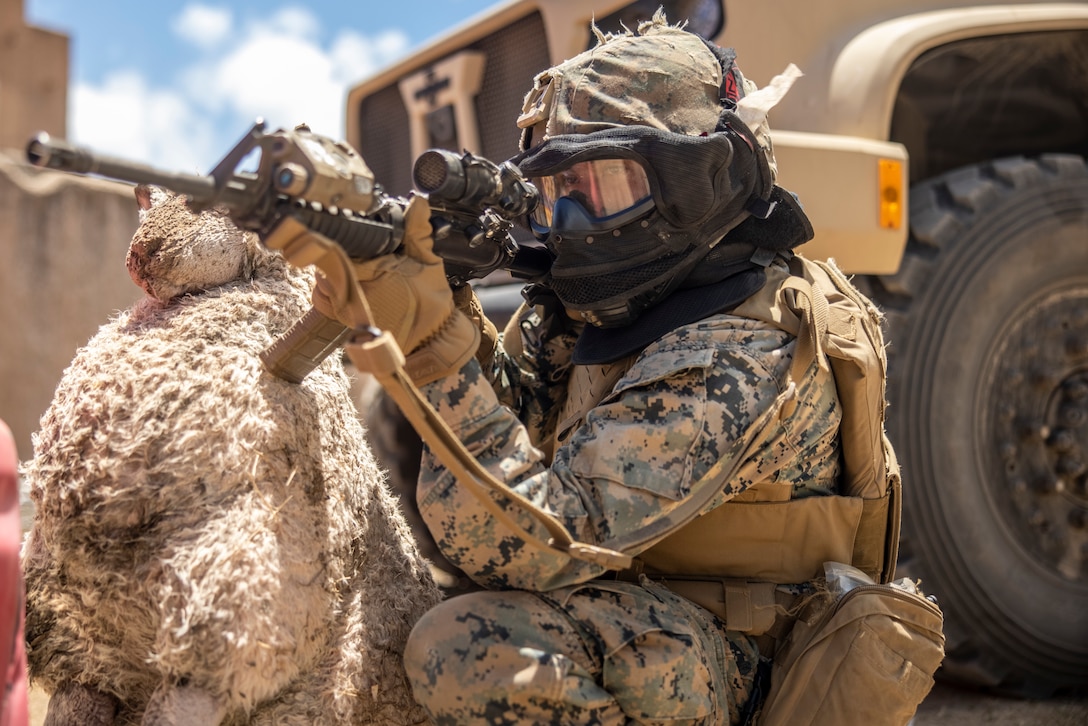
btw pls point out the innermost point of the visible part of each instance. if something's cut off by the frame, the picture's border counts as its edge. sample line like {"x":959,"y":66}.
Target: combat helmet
{"x":655,"y":108}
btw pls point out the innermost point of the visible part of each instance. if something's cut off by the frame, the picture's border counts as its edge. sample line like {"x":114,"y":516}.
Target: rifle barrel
{"x":49,"y":153}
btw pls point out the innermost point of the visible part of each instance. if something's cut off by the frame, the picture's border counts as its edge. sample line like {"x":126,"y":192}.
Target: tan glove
{"x":464,"y":297}
{"x":409,"y":296}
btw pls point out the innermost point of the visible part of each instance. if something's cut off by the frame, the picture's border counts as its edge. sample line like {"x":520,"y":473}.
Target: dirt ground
{"x":949,"y":706}
{"x":946,"y":706}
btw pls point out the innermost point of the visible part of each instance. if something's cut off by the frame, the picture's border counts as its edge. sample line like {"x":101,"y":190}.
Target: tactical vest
{"x":731,"y":558}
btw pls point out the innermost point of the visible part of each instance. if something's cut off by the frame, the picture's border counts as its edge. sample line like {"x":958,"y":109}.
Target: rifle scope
{"x":471,"y":182}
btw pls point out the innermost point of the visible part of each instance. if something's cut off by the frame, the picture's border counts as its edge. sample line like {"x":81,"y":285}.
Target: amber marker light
{"x":891,"y":193}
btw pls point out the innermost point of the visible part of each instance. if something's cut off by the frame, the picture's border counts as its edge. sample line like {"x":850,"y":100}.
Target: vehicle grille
{"x":514,"y":55}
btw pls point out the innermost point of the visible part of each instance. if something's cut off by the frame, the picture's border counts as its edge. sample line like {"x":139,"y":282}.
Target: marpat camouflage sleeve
{"x":633,"y":459}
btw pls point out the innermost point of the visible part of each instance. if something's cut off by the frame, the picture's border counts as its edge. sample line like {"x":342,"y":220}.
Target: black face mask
{"x":701,"y":188}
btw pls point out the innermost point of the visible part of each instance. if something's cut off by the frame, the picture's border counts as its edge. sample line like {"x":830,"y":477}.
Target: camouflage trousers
{"x":598,"y":653}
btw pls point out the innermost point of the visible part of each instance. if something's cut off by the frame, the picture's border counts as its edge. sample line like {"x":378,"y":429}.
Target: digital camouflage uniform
{"x":556,"y":640}
{"x":572,"y":649}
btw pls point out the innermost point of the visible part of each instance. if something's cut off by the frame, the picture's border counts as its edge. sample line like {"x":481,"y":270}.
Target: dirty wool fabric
{"x":203,"y":530}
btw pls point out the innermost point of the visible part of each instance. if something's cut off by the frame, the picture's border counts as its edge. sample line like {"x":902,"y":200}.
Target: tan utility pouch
{"x":862,"y":653}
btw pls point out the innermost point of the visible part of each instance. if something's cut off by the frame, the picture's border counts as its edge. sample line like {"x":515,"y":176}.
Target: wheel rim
{"x":1033,"y":431}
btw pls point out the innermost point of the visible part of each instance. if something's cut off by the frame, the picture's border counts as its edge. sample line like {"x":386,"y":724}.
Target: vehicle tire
{"x":987,"y":332}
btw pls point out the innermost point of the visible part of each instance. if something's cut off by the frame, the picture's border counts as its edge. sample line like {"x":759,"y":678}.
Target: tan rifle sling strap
{"x":376,"y":352}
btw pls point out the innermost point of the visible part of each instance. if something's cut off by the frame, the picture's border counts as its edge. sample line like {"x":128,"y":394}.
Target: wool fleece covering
{"x":212,"y":544}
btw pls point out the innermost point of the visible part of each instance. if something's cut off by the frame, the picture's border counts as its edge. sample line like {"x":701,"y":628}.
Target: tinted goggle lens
{"x":604,"y":187}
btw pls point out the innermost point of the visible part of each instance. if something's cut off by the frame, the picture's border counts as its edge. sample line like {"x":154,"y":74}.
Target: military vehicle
{"x":939,"y":148}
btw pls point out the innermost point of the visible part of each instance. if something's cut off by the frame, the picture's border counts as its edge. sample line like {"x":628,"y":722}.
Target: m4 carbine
{"x":327,"y":187}
{"x":309,"y":183}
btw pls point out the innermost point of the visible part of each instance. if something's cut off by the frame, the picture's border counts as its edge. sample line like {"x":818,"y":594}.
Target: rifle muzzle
{"x":49,"y":153}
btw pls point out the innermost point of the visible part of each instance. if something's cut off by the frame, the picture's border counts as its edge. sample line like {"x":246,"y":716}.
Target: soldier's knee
{"x":466,"y":652}
{"x":448,"y":639}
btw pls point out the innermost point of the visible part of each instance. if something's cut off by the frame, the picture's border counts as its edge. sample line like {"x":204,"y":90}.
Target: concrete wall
{"x":33,"y":78}
{"x":63,"y":241}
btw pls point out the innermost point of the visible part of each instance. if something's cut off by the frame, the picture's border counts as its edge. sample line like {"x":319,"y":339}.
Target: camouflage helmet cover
{"x":660,"y":76}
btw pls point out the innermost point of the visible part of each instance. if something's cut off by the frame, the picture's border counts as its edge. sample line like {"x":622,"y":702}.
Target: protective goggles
{"x":611,"y":192}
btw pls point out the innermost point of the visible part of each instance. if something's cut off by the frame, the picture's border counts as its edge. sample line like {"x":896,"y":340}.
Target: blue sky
{"x":175,"y":84}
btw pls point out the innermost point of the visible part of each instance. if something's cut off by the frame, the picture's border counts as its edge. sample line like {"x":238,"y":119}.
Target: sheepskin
{"x":398,"y":448}
{"x":212,"y":544}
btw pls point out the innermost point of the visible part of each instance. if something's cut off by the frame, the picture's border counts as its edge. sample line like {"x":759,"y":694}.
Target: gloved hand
{"x":409,"y":296}
{"x":464,"y":297}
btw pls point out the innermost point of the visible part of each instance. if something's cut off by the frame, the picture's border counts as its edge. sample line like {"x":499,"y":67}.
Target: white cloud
{"x":284,"y":79}
{"x":277,"y":68}
{"x":297,"y":21}
{"x":203,"y":26}
{"x":124,"y":117}
{"x":356,"y":56}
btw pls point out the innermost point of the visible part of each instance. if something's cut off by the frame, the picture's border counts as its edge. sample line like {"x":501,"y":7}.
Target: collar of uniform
{"x":687,"y":305}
